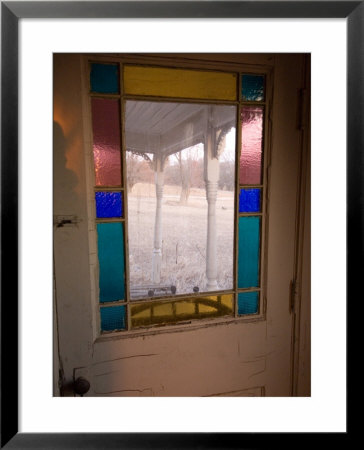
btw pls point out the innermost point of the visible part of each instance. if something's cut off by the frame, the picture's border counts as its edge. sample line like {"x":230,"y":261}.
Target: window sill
{"x":179,"y":327}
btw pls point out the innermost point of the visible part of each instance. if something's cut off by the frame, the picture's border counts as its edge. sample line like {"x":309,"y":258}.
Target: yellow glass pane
{"x":179,"y":83}
{"x":204,"y":309}
{"x":144,"y":314}
{"x":163,"y":313}
{"x":226,"y":300}
{"x":162,"y":310}
{"x":184,"y":308}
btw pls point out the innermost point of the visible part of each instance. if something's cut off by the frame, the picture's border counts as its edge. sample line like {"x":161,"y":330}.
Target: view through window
{"x":180,"y":161}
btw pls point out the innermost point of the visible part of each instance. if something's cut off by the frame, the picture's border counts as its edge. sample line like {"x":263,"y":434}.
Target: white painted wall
{"x":71,"y":245}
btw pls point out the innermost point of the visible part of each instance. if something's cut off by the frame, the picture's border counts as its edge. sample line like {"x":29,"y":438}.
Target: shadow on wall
{"x":65,"y":203}
{"x":65,"y":199}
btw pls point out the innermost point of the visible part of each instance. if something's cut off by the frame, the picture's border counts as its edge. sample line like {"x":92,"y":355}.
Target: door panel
{"x":219,"y":358}
{"x":202,"y":362}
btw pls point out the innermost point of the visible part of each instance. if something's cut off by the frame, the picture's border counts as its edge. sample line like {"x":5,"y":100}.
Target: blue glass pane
{"x":108,"y":204}
{"x":110,"y":245}
{"x":248,"y":302}
{"x":112,"y":318}
{"x":104,"y":78}
{"x":248,"y":257}
{"x":253,"y":88}
{"x":249,"y":200}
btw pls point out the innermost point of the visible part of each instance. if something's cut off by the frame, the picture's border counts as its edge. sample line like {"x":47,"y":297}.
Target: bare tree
{"x":138,"y":168}
{"x":185,"y":174}
{"x":227,"y":159}
{"x":190,"y":165}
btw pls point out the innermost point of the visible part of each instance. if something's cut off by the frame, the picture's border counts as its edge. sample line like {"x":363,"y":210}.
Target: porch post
{"x":157,"y":251}
{"x":211,"y":180}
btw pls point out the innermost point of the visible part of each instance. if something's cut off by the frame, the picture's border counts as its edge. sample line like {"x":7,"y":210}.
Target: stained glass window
{"x":113,"y":318}
{"x":104,"y":78}
{"x":248,"y":302}
{"x":106,"y":141}
{"x":172,"y":215}
{"x":158,"y":313}
{"x":248,"y":252}
{"x":108,"y":204}
{"x":253,"y":88}
{"x":249,"y":200}
{"x":250,"y":171}
{"x":110,"y":239}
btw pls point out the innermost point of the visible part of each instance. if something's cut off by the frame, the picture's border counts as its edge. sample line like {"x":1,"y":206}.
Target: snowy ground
{"x":184,"y":231}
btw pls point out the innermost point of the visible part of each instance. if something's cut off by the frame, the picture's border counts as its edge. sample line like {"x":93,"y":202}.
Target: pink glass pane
{"x":250,"y":171}
{"x":106,"y":142}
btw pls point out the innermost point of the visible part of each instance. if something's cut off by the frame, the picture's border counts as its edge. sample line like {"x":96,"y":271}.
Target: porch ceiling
{"x":164,"y":128}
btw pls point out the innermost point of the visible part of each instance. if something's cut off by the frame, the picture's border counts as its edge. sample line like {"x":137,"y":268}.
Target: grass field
{"x":184,"y":234}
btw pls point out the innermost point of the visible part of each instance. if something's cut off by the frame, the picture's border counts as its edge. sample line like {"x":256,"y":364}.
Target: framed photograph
{"x":159,"y":320}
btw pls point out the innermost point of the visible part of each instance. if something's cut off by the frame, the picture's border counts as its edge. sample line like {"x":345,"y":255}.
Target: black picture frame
{"x":11,"y":12}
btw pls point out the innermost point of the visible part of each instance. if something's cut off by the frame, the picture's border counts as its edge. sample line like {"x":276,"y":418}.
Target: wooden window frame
{"x":251,"y":66}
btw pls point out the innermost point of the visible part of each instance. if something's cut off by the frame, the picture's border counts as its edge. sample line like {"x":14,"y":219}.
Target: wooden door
{"x":250,"y":357}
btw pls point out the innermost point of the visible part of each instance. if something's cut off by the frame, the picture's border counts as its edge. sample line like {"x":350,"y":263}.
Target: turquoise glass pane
{"x":248,"y":257}
{"x":108,"y":204}
{"x":249,"y":200}
{"x":110,"y":244}
{"x":248,"y":303}
{"x":104,"y":78}
{"x":253,"y":88}
{"x":112,"y":318}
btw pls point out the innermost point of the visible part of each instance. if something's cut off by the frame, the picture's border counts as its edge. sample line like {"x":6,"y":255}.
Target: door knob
{"x":81,"y":386}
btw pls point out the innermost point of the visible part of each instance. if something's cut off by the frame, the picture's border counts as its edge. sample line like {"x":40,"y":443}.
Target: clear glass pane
{"x":108,"y":204}
{"x":251,"y":149}
{"x":248,"y":302}
{"x":110,"y":245}
{"x":113,"y":318}
{"x":248,"y":256}
{"x":253,"y":88}
{"x":180,"y":180}
{"x":158,"y":313}
{"x":249,"y":200}
{"x":106,"y":141}
{"x":104,"y":78}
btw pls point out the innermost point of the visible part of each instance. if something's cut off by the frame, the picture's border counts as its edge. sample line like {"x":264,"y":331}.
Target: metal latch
{"x":65,"y":221}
